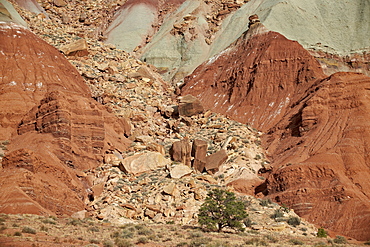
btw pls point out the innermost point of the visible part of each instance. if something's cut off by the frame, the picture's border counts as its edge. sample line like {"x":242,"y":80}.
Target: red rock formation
{"x":317,"y":128}
{"x":55,"y":129}
{"x":256,"y":80}
{"x":320,"y":156}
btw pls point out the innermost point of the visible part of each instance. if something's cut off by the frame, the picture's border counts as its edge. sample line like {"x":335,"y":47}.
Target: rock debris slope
{"x":316,"y":127}
{"x":50,"y":125}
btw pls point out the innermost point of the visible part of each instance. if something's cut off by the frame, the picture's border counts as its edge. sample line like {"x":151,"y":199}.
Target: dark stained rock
{"x":181,"y":152}
{"x":189,"y":106}
{"x":199,"y":152}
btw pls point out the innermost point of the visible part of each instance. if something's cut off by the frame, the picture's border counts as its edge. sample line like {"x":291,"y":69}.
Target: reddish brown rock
{"x":317,"y":128}
{"x":319,"y":153}
{"x":181,"y":152}
{"x":199,"y":152}
{"x":189,"y":106}
{"x":256,"y":80}
{"x":77,"y":48}
{"x":54,"y":127}
{"x":214,"y":161}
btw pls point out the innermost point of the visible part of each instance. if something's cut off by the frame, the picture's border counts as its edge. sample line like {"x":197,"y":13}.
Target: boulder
{"x":79,"y":215}
{"x":214,"y":161}
{"x":189,"y":106}
{"x":199,"y":152}
{"x":180,"y":151}
{"x":77,"y":48}
{"x":180,"y":170}
{"x":144,"y":162}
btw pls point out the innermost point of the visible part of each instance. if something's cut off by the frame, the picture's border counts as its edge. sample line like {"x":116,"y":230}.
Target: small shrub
{"x":248,"y":222}
{"x":144,"y":231}
{"x":123,"y":242}
{"x":108,"y":243}
{"x":94,"y":241}
{"x":277,"y":214}
{"x":321,"y":233}
{"x":285,"y":208}
{"x":114,"y":235}
{"x":3,"y":218}
{"x":182,"y":244}
{"x":18,"y":234}
{"x":48,"y":221}
{"x":171,"y":222}
{"x":255,"y":242}
{"x":94,"y":229}
{"x":142,"y":240}
{"x":294,"y":221}
{"x":266,"y":202}
{"x":195,"y":235}
{"x":44,"y":228}
{"x":296,"y":242}
{"x":367,"y":243}
{"x":2,"y":228}
{"x":199,"y":242}
{"x":320,"y":244}
{"x":74,"y":222}
{"x":28,"y":230}
{"x":15,"y":225}
{"x":127,"y":233}
{"x":340,"y":240}
{"x":271,"y":239}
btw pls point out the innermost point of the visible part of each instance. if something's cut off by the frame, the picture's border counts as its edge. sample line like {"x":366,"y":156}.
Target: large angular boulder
{"x":199,"y":152}
{"x":189,"y":106}
{"x":145,"y":162}
{"x":214,"y":161}
{"x":180,"y":151}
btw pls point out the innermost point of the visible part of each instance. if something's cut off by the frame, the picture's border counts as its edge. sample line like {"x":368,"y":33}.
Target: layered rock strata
{"x":316,"y":127}
{"x":54,"y":129}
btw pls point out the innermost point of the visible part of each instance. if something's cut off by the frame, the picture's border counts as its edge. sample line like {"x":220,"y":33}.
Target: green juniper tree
{"x":222,"y":209}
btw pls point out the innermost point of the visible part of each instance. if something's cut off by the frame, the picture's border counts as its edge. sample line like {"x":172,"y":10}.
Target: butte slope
{"x":317,"y":128}
{"x":54,"y":127}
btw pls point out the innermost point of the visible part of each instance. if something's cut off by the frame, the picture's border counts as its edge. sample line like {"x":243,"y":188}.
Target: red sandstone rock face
{"x":55,"y":128}
{"x":255,"y":80}
{"x":317,"y":128}
{"x":320,"y":156}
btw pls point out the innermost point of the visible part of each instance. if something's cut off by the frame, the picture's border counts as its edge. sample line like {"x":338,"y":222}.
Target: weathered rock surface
{"x":199,"y":152}
{"x":312,"y":123}
{"x":145,"y":162}
{"x":181,"y":152}
{"x":54,"y":127}
{"x":319,"y":25}
{"x":319,"y":152}
{"x":189,"y":106}
{"x":255,"y":80}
